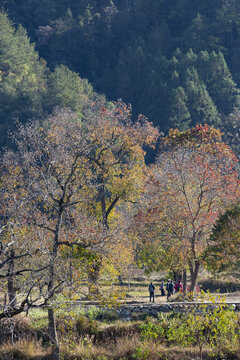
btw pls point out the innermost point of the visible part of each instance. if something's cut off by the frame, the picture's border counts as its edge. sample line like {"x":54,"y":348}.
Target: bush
{"x":217,"y":328}
{"x":108,"y":316}
{"x":23,"y":350}
{"x":86,"y":326}
{"x":14,"y":329}
{"x":119,"y":330}
{"x":151,"y":330}
{"x":139,"y":316}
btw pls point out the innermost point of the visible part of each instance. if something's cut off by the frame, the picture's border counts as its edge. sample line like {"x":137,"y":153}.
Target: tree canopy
{"x":194,"y":178}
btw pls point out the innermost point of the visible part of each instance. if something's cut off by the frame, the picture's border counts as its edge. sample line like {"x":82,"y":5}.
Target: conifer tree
{"x":22,"y":76}
{"x":200,"y":104}
{"x":220,"y":84}
{"x":180,"y":115}
{"x":67,"y":89}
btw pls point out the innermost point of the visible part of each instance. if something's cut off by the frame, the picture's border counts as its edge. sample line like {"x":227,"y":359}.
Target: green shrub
{"x":92,"y":312}
{"x":215,"y":326}
{"x":141,"y":353}
{"x":139,"y":316}
{"x":151,"y":330}
{"x":110,"y":315}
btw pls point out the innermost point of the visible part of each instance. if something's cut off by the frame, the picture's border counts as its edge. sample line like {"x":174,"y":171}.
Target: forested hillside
{"x":86,"y":88}
{"x":28,"y":89}
{"x":174,"y":61}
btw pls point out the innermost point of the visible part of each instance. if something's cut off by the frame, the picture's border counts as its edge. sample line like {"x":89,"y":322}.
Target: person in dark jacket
{"x":151,"y":289}
{"x":169,"y":288}
{"x":162,"y":289}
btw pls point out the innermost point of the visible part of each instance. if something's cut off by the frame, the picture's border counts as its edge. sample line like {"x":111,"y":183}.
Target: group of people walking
{"x":170,"y":288}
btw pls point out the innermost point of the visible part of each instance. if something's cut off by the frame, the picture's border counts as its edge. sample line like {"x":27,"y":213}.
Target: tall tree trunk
{"x":184,"y":279}
{"x":11,"y":282}
{"x":103,"y":203}
{"x":177,"y":276}
{"x":93,"y":277}
{"x":71,"y":267}
{"x":94,"y":268}
{"x":194,"y":270}
{"x":52,"y":332}
{"x":120,"y":280}
{"x":51,"y":316}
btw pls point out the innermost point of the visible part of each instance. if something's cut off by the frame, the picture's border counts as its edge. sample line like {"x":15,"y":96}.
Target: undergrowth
{"x":205,"y":334}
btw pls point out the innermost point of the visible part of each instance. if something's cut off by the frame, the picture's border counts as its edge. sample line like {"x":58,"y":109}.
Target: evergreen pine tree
{"x":67,"y":89}
{"x":200,"y":104}
{"x":180,"y":116}
{"x":219,"y":82}
{"x":22,"y":77}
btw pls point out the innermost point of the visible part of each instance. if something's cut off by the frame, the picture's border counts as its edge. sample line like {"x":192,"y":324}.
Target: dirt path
{"x":162,"y":300}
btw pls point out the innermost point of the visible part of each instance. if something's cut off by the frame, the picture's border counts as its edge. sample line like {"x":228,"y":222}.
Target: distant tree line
{"x":174,"y":61}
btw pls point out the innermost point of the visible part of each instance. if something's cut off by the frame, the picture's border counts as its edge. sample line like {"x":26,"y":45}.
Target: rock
{"x":145,"y":311}
{"x":136,"y":310}
{"x":212,"y":307}
{"x":153,"y":313}
{"x":164,"y":309}
{"x":123,"y":313}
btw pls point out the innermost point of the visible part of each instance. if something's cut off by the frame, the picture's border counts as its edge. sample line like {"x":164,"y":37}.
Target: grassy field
{"x":82,"y":336}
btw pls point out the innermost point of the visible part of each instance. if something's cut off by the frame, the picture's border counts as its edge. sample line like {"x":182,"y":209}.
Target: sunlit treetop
{"x":201,"y":137}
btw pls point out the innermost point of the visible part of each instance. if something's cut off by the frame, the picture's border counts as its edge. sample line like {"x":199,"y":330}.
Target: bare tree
{"x":46,"y":173}
{"x":60,"y":173}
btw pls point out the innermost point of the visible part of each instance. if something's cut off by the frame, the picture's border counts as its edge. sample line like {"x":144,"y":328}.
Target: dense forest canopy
{"x":174,"y":61}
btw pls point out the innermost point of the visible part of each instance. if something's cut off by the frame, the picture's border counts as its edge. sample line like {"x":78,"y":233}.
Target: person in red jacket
{"x":178,"y":287}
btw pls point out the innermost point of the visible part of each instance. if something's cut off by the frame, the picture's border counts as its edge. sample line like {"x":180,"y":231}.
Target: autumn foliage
{"x":194,"y":178}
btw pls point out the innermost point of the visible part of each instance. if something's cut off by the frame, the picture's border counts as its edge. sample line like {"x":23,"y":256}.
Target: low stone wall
{"x":129,"y":312}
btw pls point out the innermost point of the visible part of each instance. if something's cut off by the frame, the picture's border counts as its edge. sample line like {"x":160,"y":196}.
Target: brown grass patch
{"x":133,"y":349}
{"x":88,"y":351}
{"x":14,"y":329}
{"x":117,"y":331}
{"x":24,"y":350}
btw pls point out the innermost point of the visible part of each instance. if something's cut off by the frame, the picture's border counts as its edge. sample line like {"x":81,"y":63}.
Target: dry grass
{"x":86,"y":350}
{"x":124,"y":349}
{"x":176,"y":353}
{"x":23,"y":350}
{"x":132,"y":348}
{"x":118,"y":341}
{"x":116,"y":332}
{"x":14,"y":329}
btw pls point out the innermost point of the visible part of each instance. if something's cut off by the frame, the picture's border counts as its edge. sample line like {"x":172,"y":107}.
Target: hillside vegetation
{"x":120,"y":151}
{"x":174,"y":61}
